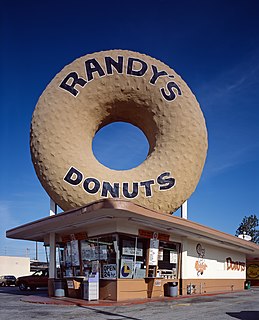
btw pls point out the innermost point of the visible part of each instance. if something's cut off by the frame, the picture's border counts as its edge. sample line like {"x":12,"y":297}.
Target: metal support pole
{"x":52,"y":208}
{"x":135,"y":257}
{"x":36,"y":247}
{"x":52,"y":256}
{"x":184,"y":264}
{"x":46,"y":254}
{"x":184,"y":210}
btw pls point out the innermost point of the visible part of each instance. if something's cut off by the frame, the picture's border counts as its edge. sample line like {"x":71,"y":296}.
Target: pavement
{"x":67,"y":301}
{"x":243,"y":305}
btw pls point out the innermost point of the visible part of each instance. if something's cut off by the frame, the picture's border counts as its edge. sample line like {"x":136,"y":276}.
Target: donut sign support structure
{"x":118,"y":85}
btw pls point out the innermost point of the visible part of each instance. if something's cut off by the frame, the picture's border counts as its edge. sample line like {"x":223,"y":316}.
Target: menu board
{"x":173,"y":256}
{"x":153,"y":252}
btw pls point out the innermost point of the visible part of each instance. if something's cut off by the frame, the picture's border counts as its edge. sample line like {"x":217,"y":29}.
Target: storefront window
{"x":68,"y":260}
{"x":101,"y":249}
{"x":121,"y":256}
{"x":133,"y":257}
{"x":167,"y":260}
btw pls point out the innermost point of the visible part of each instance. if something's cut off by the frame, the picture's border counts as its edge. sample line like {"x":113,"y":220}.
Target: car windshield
{"x":10,"y":277}
{"x":41,"y":273}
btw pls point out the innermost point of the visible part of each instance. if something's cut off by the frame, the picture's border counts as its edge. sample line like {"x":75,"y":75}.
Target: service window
{"x":133,"y":257}
{"x":168,"y":260}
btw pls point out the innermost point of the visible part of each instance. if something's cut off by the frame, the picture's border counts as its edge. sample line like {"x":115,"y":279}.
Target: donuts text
{"x":128,"y":190}
{"x":134,"y":67}
{"x":235,"y":265}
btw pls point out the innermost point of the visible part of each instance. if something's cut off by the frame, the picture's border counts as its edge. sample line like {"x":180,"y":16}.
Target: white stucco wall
{"x":15,"y":266}
{"x":214,"y":260}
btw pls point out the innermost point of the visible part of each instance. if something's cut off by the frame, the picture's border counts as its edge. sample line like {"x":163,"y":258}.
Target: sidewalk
{"x":66,"y":301}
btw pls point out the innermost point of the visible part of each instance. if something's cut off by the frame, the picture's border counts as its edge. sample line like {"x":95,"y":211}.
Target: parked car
{"x":7,"y":281}
{"x":38,"y":279}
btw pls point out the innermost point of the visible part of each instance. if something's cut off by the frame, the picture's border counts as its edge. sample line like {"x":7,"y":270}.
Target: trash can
{"x":59,"y":288}
{"x":173,"y":289}
{"x":247,"y":285}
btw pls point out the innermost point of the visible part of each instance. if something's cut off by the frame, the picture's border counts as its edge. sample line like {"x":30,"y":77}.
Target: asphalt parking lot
{"x":240,"y":305}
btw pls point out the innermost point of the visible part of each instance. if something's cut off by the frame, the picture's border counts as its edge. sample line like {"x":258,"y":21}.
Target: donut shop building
{"x":117,"y":238}
{"x":126,"y":251}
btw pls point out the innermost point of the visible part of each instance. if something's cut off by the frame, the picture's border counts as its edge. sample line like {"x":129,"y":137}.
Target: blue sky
{"x":213,"y":45}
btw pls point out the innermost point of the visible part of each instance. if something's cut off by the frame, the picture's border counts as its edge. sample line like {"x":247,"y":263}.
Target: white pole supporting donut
{"x":53,"y":208}
{"x":184,"y":211}
{"x":52,"y":256}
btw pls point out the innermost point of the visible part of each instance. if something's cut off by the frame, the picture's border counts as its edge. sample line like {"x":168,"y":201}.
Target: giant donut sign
{"x":118,"y":85}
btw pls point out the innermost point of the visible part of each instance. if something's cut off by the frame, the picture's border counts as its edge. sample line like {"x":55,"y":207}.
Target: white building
{"x":15,"y":266}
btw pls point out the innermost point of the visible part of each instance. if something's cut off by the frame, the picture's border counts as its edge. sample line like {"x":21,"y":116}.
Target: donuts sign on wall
{"x":118,"y":85}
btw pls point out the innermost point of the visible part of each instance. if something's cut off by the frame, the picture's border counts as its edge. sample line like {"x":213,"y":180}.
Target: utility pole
{"x":36,"y":257}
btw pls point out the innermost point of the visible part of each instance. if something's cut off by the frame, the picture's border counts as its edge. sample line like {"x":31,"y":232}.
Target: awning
{"x":111,"y":211}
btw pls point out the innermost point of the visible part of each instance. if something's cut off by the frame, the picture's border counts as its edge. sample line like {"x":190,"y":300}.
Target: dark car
{"x":38,"y":279}
{"x":7,"y":281}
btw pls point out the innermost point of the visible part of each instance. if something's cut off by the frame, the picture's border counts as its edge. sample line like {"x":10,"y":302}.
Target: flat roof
{"x":111,"y":210}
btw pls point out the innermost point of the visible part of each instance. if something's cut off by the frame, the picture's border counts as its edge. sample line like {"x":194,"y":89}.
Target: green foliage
{"x":249,"y":226}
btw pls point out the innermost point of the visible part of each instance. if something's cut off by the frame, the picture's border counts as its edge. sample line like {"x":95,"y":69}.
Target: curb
{"x":66,"y":301}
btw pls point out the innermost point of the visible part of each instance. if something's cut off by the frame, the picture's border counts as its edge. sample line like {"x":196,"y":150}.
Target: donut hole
{"x":137,"y":114}
{"x":120,"y":146}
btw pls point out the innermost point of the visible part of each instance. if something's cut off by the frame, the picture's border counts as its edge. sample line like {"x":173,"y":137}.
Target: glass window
{"x":133,"y":257}
{"x":121,"y":256}
{"x":103,"y":250}
{"x":72,"y":259}
{"x":168,"y":259}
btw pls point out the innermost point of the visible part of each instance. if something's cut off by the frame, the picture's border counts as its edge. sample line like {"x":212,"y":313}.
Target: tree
{"x":249,"y":226}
